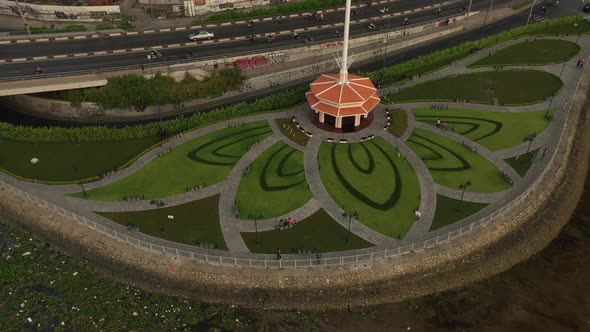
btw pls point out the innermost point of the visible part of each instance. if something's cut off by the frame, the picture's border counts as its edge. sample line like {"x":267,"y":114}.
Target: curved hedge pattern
{"x":280,"y":171}
{"x":208,"y":152}
{"x":274,"y":184}
{"x":373,"y":179}
{"x":397,"y":188}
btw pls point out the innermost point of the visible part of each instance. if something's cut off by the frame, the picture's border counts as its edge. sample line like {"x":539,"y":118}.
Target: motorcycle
{"x":280,"y":19}
{"x":270,"y":39}
{"x":406,"y":22}
{"x":252,"y":37}
{"x":296,"y":36}
{"x":155,"y":55}
{"x":250,"y":24}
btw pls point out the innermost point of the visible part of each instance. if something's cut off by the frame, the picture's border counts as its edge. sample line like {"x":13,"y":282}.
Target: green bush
{"x":275,"y":102}
{"x":125,"y":25}
{"x":104,"y":26}
{"x":137,"y":91}
{"x":438,"y":59}
{"x":53,"y":29}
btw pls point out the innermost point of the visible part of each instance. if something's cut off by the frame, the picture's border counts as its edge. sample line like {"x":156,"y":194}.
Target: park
{"x":256,"y":178}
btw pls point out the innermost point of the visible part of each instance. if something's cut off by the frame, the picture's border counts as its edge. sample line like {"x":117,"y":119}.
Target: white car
{"x":201,"y":35}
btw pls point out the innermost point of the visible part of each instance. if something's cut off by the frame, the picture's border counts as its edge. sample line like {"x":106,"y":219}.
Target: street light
{"x":578,"y":12}
{"x":531,"y":13}
{"x":464,"y":187}
{"x":485,"y":19}
{"x":350,"y":215}
{"x":162,"y":132}
{"x":530,"y":138}
{"x":256,"y":217}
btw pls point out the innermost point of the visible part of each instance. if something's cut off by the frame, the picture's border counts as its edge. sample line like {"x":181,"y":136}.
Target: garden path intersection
{"x":400,"y":151}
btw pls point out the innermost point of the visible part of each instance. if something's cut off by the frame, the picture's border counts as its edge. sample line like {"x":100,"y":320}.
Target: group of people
{"x":442,"y":125}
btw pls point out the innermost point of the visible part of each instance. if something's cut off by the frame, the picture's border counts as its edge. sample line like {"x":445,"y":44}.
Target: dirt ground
{"x":548,"y":292}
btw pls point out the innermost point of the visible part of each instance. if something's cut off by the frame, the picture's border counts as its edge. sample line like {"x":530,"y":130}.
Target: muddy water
{"x":549,"y":292}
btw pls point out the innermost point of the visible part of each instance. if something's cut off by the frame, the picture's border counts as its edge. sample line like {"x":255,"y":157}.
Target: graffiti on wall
{"x":61,"y":13}
{"x":261,"y":60}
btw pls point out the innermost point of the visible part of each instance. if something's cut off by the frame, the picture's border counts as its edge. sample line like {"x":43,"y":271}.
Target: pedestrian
{"x":445,"y":125}
{"x":557,"y":3}
{"x":142,"y":68}
{"x":544,"y":152}
{"x":99,"y":71}
{"x":438,"y":123}
{"x":579,"y":62}
{"x":417,"y":214}
{"x":278,"y":254}
{"x":565,"y":105}
{"x":582,"y":63}
{"x":290,"y":221}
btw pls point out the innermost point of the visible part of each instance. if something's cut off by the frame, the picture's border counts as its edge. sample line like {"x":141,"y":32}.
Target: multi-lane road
{"x":83,"y":62}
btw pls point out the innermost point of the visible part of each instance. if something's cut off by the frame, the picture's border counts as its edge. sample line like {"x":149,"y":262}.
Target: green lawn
{"x":68,"y":161}
{"x":399,"y":122}
{"x":373,"y":179}
{"x":193,"y":222}
{"x":450,"y":210}
{"x":566,"y":28}
{"x":522,"y":163}
{"x":319,"y":232}
{"x":510,"y":87}
{"x":493,"y":130}
{"x":452,"y":165}
{"x":203,"y":161}
{"x":538,"y":52}
{"x":275,"y":184}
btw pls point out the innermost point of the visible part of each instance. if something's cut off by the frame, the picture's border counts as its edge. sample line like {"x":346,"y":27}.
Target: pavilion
{"x":335,"y":97}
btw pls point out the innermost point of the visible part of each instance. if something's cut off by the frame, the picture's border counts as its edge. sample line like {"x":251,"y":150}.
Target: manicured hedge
{"x":444,"y":57}
{"x":277,"y":101}
{"x":137,"y":91}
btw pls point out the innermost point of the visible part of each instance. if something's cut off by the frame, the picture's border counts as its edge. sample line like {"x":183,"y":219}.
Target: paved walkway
{"x":232,"y":227}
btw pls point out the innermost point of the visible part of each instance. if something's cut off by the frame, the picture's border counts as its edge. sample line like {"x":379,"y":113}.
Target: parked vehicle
{"x":201,"y":35}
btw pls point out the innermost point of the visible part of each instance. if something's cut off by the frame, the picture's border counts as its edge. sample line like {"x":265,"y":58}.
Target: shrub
{"x":275,"y":102}
{"x":136,"y":91}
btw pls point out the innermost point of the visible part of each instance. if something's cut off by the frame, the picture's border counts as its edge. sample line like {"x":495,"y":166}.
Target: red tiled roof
{"x":343,"y":110}
{"x":356,"y":91}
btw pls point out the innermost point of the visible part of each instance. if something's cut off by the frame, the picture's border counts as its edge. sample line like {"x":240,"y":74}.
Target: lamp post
{"x":464,"y":187}
{"x":162,"y":132}
{"x":531,"y":13}
{"x":530,"y":138}
{"x":578,"y":13}
{"x":485,"y":19}
{"x":350,"y":215}
{"x":560,"y":73}
{"x":256,"y":217}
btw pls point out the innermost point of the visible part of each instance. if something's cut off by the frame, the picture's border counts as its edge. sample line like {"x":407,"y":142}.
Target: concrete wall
{"x":62,"y":13}
{"x":210,"y":6}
